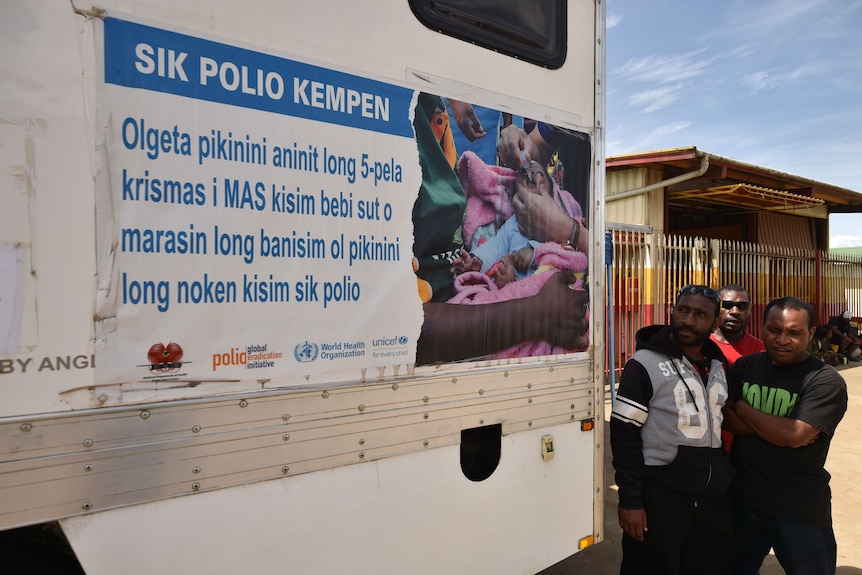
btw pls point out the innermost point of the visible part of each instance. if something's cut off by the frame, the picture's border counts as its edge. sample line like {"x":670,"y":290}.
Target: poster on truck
{"x":268,"y":219}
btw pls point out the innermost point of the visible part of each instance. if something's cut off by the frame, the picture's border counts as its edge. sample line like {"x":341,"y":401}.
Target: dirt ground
{"x":844,"y":463}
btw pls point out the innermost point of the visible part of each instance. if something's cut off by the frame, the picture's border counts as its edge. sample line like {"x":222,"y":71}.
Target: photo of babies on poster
{"x":500,"y":236}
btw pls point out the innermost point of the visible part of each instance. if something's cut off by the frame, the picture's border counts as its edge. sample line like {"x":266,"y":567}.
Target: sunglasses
{"x":742,"y":305}
{"x":696,"y":289}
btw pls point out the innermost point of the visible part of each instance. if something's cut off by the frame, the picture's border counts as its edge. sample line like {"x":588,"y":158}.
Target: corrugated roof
{"x":723,"y":172}
{"x":744,"y":196}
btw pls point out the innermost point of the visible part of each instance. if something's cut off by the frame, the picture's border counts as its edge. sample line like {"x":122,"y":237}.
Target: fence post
{"x":715,"y":263}
{"x":609,"y":332}
{"x":699,"y":267}
{"x":653,"y":291}
{"x":820,"y":316}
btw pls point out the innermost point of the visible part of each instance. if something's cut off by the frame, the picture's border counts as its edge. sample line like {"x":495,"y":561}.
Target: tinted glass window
{"x":532,"y":30}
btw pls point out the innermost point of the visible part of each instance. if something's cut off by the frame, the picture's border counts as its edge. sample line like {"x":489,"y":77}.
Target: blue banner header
{"x":138,"y":56}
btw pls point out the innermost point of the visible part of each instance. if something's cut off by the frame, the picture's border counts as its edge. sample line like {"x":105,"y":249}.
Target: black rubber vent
{"x":480,"y":451}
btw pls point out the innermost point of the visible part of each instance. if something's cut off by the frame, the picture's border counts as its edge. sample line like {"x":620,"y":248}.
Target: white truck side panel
{"x":359,"y":477}
{"x":47,"y":182}
{"x":381,"y":517}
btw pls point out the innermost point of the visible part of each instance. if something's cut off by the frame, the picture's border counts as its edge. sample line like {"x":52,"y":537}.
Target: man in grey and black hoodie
{"x":671,"y":471}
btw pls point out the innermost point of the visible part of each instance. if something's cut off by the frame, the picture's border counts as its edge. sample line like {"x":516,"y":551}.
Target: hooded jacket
{"x":666,"y":423}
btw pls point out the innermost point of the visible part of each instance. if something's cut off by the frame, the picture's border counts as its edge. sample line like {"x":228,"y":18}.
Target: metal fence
{"x":648,"y":269}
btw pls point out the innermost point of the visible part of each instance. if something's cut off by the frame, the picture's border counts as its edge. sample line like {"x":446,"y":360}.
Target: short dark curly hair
{"x":790,"y":303}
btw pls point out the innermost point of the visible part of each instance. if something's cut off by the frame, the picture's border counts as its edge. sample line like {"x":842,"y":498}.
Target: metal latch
{"x":547,"y":447}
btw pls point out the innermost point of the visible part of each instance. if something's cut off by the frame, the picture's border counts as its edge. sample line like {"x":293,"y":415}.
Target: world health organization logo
{"x":305,"y":352}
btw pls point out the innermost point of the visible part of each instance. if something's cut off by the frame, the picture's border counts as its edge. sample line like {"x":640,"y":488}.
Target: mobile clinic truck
{"x":231,"y":340}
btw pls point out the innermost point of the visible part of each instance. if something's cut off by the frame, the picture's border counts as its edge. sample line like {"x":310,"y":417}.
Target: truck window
{"x":534,"y":31}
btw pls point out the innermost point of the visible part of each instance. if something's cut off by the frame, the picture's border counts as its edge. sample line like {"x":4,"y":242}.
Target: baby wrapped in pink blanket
{"x":488,"y":212}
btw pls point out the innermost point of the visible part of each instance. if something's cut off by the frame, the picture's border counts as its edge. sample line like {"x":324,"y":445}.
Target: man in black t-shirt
{"x":784,"y":406}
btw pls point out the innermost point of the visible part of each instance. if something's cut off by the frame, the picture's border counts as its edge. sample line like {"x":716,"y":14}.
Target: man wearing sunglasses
{"x":731,"y":335}
{"x":665,"y":425}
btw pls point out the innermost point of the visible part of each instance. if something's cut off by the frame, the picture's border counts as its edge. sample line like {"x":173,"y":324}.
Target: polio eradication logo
{"x":306,"y":352}
{"x":254,"y":356}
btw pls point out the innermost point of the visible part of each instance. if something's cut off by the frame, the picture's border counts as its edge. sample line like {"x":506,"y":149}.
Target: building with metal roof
{"x":686,"y":191}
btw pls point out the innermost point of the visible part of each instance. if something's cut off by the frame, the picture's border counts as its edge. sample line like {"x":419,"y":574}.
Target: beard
{"x":689,"y":336}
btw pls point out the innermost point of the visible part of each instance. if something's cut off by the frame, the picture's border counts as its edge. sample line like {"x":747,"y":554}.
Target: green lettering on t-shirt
{"x":771,"y":400}
{"x":784,"y":402}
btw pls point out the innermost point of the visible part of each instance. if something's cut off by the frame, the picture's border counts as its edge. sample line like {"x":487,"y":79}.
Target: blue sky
{"x":777,"y":83}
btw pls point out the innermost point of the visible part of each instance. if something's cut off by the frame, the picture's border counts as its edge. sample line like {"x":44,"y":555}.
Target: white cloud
{"x":668,"y":129}
{"x":767,"y":19}
{"x":656,"y":99}
{"x":612,"y":20}
{"x":768,"y":79}
{"x":844,"y":230}
{"x":844,"y":241}
{"x":661,"y":137}
{"x":665,"y":69}
{"x":758,"y":81}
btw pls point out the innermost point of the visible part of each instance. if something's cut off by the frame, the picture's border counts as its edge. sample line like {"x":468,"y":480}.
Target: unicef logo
{"x":402,"y":340}
{"x":305,"y":352}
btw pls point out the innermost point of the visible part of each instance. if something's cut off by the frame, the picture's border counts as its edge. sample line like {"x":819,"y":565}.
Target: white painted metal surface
{"x":66,"y":464}
{"x":410,"y":514}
